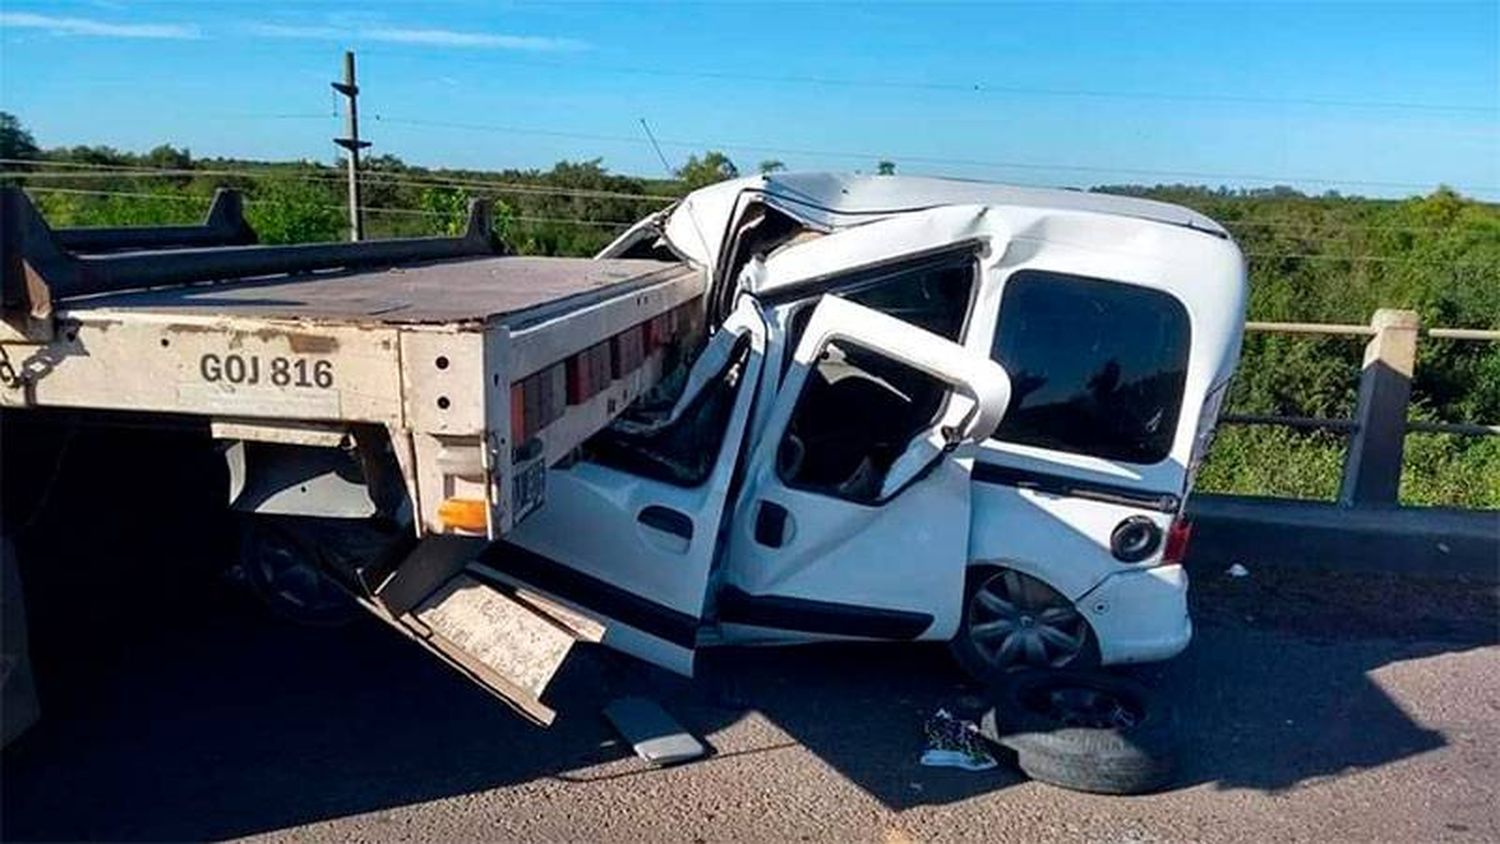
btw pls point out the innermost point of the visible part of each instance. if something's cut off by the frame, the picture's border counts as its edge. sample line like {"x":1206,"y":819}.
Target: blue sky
{"x":1380,"y":99}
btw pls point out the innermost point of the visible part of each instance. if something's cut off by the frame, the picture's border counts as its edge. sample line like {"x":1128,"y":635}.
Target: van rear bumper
{"x":1140,"y":616}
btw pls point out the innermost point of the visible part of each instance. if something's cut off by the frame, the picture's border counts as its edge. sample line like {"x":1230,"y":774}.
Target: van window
{"x":857,"y":413}
{"x":933,"y":297}
{"x":1096,"y":367}
{"x":931,"y":293}
{"x":682,"y":452}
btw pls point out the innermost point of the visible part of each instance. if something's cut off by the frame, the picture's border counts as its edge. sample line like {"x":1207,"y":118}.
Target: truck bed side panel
{"x":214,"y":367}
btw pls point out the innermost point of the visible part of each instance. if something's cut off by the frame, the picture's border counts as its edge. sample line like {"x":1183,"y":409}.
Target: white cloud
{"x":427,"y":37}
{"x":276,"y":30}
{"x":449,"y":38}
{"x":88,"y":26}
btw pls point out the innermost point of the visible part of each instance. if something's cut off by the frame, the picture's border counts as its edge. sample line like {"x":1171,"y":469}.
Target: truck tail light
{"x":466,"y":514}
{"x":518,"y":432}
{"x":537,"y":401}
{"x":1178,"y":535}
{"x":628,"y":350}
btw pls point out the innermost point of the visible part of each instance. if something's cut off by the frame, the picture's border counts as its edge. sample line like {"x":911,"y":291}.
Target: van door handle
{"x":770,"y":524}
{"x":667,"y":520}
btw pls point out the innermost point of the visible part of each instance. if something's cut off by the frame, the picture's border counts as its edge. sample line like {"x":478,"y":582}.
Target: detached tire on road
{"x":1084,"y":730}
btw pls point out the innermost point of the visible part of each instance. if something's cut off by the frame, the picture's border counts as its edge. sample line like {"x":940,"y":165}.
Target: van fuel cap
{"x":1134,"y":539}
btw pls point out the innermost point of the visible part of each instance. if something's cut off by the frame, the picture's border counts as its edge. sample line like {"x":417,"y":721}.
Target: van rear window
{"x":1096,"y":367}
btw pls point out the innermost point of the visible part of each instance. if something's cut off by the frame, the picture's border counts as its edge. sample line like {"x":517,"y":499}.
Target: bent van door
{"x":854,"y":517}
{"x":629,"y":535}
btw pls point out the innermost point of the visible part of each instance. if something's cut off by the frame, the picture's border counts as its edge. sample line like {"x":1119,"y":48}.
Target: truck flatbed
{"x":519,"y":290}
{"x":481,"y":368}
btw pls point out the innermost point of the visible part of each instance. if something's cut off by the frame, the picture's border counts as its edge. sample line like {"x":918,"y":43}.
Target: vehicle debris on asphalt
{"x":955,"y":743}
{"x":654,"y":734}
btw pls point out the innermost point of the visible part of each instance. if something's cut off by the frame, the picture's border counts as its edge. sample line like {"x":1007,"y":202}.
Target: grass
{"x":1277,"y":462}
{"x":1438,"y":470}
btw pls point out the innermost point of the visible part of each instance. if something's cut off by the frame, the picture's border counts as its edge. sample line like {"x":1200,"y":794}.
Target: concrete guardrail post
{"x":1372,"y":467}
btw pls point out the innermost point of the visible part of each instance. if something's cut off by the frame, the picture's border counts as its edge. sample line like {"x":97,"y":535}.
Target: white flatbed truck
{"x":426,"y":381}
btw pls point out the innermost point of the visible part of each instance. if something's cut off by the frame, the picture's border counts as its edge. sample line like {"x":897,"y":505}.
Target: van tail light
{"x":1176,"y":547}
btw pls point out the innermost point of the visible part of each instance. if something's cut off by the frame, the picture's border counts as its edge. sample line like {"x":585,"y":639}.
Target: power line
{"x":982,"y":87}
{"x":1382,"y":259}
{"x":1369,"y":259}
{"x":922,"y":159}
{"x":1335,"y":226}
{"x":519,"y":218}
{"x":301,"y":115}
{"x":105,"y":171}
{"x":1324,"y":228}
{"x":199,"y":200}
{"x":395,"y":179}
{"x":863,"y":156}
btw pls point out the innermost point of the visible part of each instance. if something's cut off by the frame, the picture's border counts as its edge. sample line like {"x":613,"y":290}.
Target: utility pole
{"x":352,"y":144}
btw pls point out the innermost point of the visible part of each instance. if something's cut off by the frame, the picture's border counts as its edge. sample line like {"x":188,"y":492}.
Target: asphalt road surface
{"x":1313,"y":707}
{"x":175,"y":708}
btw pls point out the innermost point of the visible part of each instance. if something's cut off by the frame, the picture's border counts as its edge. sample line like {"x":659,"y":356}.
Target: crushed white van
{"x":930,"y":410}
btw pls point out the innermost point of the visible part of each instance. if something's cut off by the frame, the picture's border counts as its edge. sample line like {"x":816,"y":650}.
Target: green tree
{"x":886,"y":167}
{"x":159,"y":206}
{"x":714,"y":166}
{"x":15,"y":141}
{"x":772,"y":165}
{"x":449,"y":206}
{"x":168,"y":157}
{"x":291,"y":210}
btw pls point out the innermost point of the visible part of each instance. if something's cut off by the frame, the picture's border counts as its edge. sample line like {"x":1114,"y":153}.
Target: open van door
{"x":630,"y":533}
{"x":853,"y":521}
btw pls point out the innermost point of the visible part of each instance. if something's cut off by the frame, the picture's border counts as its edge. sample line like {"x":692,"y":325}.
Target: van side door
{"x":854,"y":517}
{"x":630,"y":532}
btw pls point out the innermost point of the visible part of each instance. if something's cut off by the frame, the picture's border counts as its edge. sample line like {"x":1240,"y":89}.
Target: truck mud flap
{"x":506,"y":638}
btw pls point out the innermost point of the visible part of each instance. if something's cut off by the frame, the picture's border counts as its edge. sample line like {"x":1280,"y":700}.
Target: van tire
{"x":966,"y":652}
{"x":1134,"y":755}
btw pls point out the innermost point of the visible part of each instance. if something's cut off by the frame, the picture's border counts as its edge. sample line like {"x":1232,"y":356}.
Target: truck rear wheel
{"x":285,"y":562}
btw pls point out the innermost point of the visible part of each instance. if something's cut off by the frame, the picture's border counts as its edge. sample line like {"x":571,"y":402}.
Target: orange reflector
{"x":464,"y":514}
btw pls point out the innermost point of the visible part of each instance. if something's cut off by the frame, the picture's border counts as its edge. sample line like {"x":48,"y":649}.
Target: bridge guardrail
{"x":1377,"y":432}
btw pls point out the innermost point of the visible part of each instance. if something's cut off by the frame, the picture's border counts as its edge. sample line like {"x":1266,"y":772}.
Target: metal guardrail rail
{"x":1372,"y":466}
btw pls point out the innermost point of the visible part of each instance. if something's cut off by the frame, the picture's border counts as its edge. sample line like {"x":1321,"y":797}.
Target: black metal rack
{"x":39,"y":265}
{"x":224,"y":225}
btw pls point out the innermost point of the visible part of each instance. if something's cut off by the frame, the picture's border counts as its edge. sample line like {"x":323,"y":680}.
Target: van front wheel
{"x":1013,"y":621}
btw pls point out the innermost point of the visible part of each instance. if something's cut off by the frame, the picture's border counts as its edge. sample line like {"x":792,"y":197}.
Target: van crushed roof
{"x":838,"y":200}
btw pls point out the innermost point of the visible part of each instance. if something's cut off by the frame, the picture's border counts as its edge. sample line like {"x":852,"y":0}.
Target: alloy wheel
{"x":1017,"y":621}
